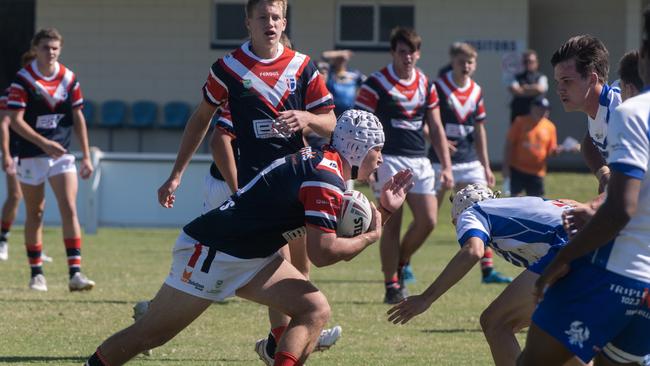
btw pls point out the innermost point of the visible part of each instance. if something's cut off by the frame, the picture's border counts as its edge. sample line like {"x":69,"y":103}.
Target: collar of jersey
{"x":246,"y":47}
{"x":57,"y":68}
{"x":391,"y":71}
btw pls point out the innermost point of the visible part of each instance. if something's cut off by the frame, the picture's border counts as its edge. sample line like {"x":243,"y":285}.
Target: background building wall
{"x":160,"y":49}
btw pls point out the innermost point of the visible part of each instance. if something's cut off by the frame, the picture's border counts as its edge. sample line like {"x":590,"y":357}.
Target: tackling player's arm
{"x":325,"y":248}
{"x":224,"y":156}
{"x":471,"y":252}
{"x":195,"y":130}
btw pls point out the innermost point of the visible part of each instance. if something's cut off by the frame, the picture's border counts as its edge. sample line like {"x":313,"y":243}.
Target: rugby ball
{"x":355,"y":215}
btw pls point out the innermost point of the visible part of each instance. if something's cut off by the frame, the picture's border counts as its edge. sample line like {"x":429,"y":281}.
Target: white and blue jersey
{"x":603,"y":303}
{"x":610,"y":98}
{"x":520,"y":229}
{"x":629,"y":152}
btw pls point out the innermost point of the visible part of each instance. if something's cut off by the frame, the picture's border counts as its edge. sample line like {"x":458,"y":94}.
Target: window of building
{"x":228,"y":23}
{"x":368,"y":25}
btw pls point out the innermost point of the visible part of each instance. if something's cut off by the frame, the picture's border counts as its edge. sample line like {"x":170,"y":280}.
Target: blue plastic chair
{"x":113,"y":114}
{"x":144,"y":114}
{"x":89,"y":110}
{"x":176,"y":114}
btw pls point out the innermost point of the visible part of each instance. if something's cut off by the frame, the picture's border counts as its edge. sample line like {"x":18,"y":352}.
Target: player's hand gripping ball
{"x":355,"y":216}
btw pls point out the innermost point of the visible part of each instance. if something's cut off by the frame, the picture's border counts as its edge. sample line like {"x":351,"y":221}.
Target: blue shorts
{"x":539,"y":266}
{"x":592,"y":310}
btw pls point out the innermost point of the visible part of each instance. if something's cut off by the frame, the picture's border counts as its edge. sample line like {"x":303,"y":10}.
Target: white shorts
{"x":464,"y":173}
{"x":215,"y":192}
{"x":215,"y":280}
{"x":34,"y":171}
{"x":423,"y":175}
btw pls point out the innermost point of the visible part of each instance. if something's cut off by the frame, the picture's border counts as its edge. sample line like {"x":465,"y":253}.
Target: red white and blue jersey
{"x":609,"y":99}
{"x":460,"y":110}
{"x":401,"y":107}
{"x":224,"y":124}
{"x":256,"y":90}
{"x":629,"y":153}
{"x":305,"y":188}
{"x":520,"y":229}
{"x":48,"y":103}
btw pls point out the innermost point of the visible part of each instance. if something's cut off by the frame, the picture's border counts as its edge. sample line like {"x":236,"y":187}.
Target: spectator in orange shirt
{"x":531,"y":140}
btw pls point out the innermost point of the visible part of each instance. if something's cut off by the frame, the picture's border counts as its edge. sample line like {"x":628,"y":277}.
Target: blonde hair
{"x":251,"y":4}
{"x":462,"y":48}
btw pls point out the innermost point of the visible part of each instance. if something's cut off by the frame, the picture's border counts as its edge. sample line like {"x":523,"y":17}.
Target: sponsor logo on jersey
{"x":578,"y":333}
{"x":269,"y":73}
{"x":291,"y":84}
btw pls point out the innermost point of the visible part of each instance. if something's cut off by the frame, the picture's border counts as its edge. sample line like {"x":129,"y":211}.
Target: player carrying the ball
{"x":297,"y":195}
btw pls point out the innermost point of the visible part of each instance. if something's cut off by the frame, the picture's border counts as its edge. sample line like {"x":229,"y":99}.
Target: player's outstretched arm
{"x":195,"y":130}
{"x":471,"y":252}
{"x":325,"y":249}
{"x":393,"y":193}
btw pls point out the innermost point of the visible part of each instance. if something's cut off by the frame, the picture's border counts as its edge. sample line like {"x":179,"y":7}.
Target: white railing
{"x":123,"y":192}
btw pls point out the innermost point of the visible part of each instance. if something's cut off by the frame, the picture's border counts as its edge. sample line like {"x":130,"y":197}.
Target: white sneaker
{"x":38,"y":283}
{"x":328,"y":338}
{"x":79,"y":282}
{"x":260,"y":348}
{"x":4,"y":250}
{"x":46,"y":258}
{"x":139,"y":310}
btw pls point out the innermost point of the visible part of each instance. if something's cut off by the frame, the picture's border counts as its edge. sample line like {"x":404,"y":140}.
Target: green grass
{"x":63,"y":328}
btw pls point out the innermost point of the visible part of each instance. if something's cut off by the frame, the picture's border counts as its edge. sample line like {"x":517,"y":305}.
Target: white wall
{"x":127,"y":193}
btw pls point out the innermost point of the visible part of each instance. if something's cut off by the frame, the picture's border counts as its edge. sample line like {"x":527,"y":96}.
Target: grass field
{"x":62,"y":328}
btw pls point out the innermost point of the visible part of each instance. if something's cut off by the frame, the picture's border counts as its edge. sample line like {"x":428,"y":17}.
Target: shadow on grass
{"x":75,"y":359}
{"x":41,"y":359}
{"x":346,"y":281}
{"x":65,"y":301}
{"x":449,"y":331}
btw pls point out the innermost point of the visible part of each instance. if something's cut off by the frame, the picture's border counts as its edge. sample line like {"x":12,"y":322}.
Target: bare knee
{"x":426,"y":223}
{"x":317,"y":310}
{"x":492,"y":322}
{"x":35,"y":214}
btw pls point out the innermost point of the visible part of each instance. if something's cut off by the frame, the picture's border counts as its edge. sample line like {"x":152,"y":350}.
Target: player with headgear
{"x":525,"y":231}
{"x":298,"y":195}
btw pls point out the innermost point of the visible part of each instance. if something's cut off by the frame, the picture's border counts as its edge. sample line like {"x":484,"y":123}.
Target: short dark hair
{"x":407,"y":36}
{"x":589,"y":53}
{"x":628,"y":69}
{"x":251,"y":4}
